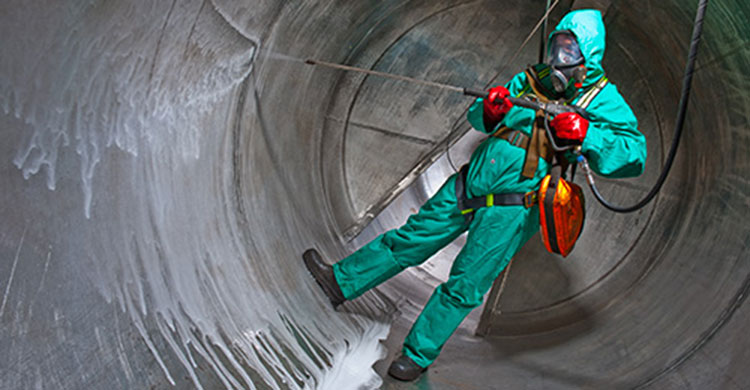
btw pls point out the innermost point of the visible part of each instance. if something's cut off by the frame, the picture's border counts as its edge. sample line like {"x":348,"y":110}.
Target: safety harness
{"x":537,"y":145}
{"x":469,"y":205}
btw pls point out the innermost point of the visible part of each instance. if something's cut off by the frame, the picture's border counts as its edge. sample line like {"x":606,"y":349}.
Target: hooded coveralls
{"x":613,"y":145}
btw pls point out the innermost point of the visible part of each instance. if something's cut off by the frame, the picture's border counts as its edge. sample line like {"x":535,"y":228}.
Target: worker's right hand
{"x":496,"y":105}
{"x":569,"y":128}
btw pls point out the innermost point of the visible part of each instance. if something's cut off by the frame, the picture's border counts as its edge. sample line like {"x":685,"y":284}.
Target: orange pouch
{"x":561,"y":213}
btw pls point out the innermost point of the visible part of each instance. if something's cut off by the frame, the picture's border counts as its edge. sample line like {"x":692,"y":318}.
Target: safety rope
{"x":542,"y":21}
{"x":542,"y":36}
{"x":528,"y":38}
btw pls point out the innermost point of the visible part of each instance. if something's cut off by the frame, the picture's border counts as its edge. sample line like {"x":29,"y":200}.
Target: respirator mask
{"x":566,"y":62}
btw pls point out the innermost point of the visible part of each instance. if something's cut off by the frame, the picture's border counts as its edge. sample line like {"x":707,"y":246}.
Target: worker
{"x":508,"y":162}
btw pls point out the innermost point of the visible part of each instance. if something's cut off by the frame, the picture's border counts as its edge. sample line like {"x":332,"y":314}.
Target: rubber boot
{"x":405,"y":369}
{"x":323,"y":274}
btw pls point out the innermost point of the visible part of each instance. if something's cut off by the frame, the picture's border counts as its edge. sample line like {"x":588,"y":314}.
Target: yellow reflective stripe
{"x":589,"y":96}
{"x":524,"y":90}
{"x":490,"y":200}
{"x":583,"y":103}
{"x":467,"y":211}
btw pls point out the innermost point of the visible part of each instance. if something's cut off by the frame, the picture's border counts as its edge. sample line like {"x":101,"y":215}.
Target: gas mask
{"x":566,"y":62}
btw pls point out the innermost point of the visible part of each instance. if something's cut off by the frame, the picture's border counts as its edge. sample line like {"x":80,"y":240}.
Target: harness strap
{"x":514,"y":137}
{"x":469,"y":205}
{"x":539,"y":144}
{"x":548,"y":209}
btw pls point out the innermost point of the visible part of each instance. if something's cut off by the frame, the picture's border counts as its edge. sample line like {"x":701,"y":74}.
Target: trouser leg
{"x":437,"y":223}
{"x":496,"y":234}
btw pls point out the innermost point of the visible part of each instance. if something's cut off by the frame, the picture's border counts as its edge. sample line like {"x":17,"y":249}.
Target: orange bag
{"x":561,"y":213}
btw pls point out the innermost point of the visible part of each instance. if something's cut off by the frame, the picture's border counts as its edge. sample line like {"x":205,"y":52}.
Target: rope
{"x":543,"y":38}
{"x":528,"y":38}
{"x":542,"y":21}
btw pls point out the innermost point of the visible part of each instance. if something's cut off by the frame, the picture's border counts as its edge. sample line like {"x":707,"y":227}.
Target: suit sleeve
{"x":613,"y":145}
{"x":476,"y":111}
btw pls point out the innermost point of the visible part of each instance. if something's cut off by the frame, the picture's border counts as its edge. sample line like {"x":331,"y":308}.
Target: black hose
{"x":684,"y":99}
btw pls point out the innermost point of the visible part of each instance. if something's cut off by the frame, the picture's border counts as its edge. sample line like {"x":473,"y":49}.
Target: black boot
{"x":323,"y":274}
{"x":405,"y":369}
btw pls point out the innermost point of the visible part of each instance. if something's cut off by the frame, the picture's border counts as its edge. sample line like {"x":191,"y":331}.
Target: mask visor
{"x":564,"y":51}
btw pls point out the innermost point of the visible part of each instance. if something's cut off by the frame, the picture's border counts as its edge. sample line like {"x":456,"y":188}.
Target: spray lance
{"x":549,"y":108}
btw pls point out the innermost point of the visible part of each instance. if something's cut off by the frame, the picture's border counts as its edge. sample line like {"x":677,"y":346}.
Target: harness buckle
{"x":529,"y":199}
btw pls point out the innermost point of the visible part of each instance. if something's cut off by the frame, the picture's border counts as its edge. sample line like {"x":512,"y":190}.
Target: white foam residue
{"x":114,"y":75}
{"x":352,"y":367}
{"x":160,"y":82}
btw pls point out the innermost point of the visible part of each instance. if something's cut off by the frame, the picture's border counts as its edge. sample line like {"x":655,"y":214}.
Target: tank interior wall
{"x":164,"y":164}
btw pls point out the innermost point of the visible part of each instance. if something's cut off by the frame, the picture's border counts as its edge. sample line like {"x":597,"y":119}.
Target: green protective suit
{"x":613,"y":146}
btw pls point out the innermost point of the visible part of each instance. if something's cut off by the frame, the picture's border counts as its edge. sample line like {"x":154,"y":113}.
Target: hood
{"x":588,"y":27}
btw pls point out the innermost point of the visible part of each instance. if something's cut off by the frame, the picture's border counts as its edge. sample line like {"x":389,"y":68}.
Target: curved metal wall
{"x":165,"y":164}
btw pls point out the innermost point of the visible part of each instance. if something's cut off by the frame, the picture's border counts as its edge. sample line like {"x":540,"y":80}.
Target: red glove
{"x":570,"y":127}
{"x":496,"y":106}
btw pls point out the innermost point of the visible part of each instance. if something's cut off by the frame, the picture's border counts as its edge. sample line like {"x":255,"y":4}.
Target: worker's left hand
{"x":570,"y":128}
